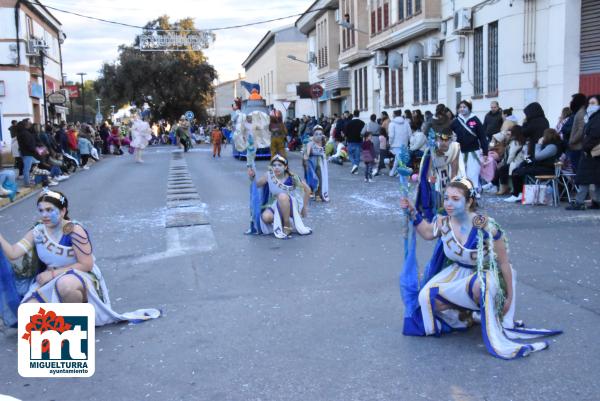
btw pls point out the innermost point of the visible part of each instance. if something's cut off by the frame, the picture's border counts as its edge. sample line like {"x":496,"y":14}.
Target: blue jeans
{"x":27,"y":163}
{"x":7,"y":175}
{"x":354,"y":152}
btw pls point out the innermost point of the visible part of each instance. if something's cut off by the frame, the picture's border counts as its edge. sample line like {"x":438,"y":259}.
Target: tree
{"x":171,"y":82}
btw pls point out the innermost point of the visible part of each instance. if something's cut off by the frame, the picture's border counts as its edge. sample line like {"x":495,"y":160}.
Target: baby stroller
{"x":70,"y":163}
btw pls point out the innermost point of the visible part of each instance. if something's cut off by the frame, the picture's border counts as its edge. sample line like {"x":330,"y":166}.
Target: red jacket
{"x":72,"y":140}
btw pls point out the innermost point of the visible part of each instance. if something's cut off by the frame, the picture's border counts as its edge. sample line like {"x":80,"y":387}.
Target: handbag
{"x":41,"y":150}
{"x":535,"y":194}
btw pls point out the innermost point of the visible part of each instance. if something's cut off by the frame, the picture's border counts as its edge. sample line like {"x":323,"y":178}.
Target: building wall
{"x":225,"y":93}
{"x":17,"y":74}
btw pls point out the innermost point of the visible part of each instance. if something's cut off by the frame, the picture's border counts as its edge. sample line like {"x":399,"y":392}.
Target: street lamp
{"x":81,"y":74}
{"x":292,"y":57}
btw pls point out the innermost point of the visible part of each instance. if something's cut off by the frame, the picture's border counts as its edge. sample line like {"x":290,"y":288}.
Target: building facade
{"x":268,"y":65}
{"x":225,"y":93}
{"x":25,"y":28}
{"x":414,"y":54}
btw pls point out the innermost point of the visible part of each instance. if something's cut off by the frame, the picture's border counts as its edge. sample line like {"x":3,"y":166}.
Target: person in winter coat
{"x":572,"y":130}
{"x":473,"y":142}
{"x":85,"y":151}
{"x":27,"y":144}
{"x":588,"y":171}
{"x":72,"y":142}
{"x":399,"y":135}
{"x":547,"y":152}
{"x":354,"y":131}
{"x":534,"y":125}
{"x":514,"y":155}
{"x":492,"y":122}
{"x":367,"y":154}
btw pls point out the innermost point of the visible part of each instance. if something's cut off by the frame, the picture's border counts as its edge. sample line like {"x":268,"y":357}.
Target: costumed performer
{"x":68,"y":271}
{"x":283,"y":202}
{"x":141,"y":133}
{"x":317,"y":174}
{"x":468,"y":279}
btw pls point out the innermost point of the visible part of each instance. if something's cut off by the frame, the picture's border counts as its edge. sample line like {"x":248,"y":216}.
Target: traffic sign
{"x":57,"y":98}
{"x":99,"y":118}
{"x":316,"y":91}
{"x":189,"y":115}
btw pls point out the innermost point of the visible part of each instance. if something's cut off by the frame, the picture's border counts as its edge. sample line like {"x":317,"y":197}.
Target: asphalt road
{"x":312,"y":318}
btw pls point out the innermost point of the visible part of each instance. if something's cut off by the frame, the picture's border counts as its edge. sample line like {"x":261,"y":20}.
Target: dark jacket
{"x":61,"y":140}
{"x":588,"y":171}
{"x":353,"y":130}
{"x":440,"y":124}
{"x":27,"y":141}
{"x":470,"y":142}
{"x":534,"y":126}
{"x":492,"y":123}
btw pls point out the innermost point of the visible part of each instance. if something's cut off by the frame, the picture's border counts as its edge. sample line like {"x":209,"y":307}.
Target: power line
{"x":207,"y":29}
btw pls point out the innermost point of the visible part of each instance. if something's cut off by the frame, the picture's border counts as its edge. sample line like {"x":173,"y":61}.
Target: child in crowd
{"x":367,"y":154}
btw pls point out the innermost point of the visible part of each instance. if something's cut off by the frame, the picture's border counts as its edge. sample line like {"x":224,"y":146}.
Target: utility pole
{"x":82,"y":96}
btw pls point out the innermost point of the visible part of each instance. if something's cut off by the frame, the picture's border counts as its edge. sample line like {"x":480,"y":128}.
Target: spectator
{"x":104,"y":135}
{"x":60,"y":137}
{"x":514,"y":155}
{"x":588,"y":171}
{"x":492,"y":123}
{"x":399,"y":135}
{"x":14,"y":146}
{"x":562,"y":119}
{"x":367,"y":154}
{"x":85,"y":151}
{"x":373,"y":128}
{"x":507,"y":115}
{"x":353,"y":131}
{"x":73,"y":143}
{"x":546,"y":152}
{"x":27,"y":145}
{"x":473,"y":142}
{"x":440,"y":122}
{"x":573,"y":129}
{"x":534,"y":125}
{"x":417,"y":120}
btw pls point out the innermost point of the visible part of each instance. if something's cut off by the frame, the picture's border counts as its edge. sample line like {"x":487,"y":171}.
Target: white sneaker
{"x":512,"y":199}
{"x":375,"y":172}
{"x":86,"y":167}
{"x":487,"y":186}
{"x":61,"y":178}
{"x":354,"y":169}
{"x":491,"y":189}
{"x":371,"y":180}
{"x":52,"y":183}
{"x":366,"y":180}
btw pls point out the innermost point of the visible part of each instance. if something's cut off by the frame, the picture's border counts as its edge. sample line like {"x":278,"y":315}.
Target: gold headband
{"x":279,"y":158}
{"x":467,"y":183}
{"x":55,"y":195}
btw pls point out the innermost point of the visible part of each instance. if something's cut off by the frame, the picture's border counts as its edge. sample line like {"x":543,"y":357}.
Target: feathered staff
{"x":404,"y":173}
{"x":255,"y":198}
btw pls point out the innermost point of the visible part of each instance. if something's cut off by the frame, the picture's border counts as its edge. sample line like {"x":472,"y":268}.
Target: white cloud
{"x":90,"y":43}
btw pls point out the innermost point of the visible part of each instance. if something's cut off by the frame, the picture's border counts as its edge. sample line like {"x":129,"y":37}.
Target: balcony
{"x":413,"y":24}
{"x":354,"y":40}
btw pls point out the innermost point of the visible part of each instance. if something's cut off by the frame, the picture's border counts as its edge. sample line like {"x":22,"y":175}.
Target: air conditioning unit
{"x":380,"y":58}
{"x":30,"y":48}
{"x":433,"y":48}
{"x":463,"y":20}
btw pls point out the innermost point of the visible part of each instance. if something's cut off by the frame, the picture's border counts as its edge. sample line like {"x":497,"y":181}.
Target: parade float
{"x":251,"y":118}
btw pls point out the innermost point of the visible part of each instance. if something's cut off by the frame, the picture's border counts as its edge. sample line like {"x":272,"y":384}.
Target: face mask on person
{"x":592,"y":108}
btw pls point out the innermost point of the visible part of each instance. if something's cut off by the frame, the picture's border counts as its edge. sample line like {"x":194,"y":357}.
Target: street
{"x":311,"y":318}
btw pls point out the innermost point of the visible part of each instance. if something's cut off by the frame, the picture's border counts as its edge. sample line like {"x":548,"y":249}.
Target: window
{"x":417,"y":6}
{"x":348,"y":35}
{"x":322,"y":53}
{"x":478,"y":61}
{"x":29,"y":22}
{"x":434,"y":80}
{"x":400,"y":74}
{"x":393,"y":89}
{"x":380,"y":16}
{"x":400,"y":10}
{"x":386,"y":83}
{"x":416,"y":83}
{"x":409,"y":8}
{"x":493,"y":58}
{"x":360,"y":89}
{"x":424,"y":81}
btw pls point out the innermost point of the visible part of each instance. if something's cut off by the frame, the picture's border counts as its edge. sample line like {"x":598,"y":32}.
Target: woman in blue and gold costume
{"x":279,"y":201}
{"x":66,"y":271}
{"x":468,"y":280}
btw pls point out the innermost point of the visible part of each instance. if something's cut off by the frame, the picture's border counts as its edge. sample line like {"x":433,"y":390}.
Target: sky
{"x":91,"y":43}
